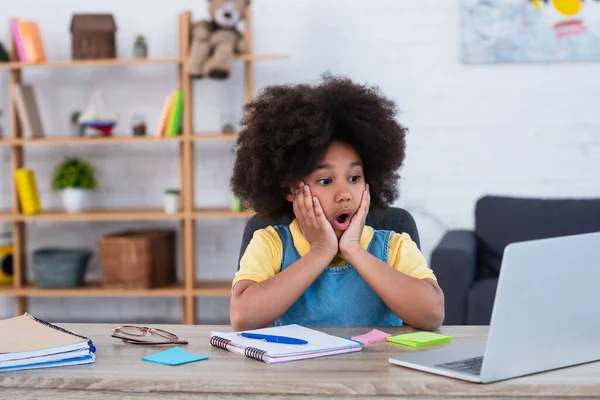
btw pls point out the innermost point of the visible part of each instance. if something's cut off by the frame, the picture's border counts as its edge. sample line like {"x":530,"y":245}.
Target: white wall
{"x":527,"y":129}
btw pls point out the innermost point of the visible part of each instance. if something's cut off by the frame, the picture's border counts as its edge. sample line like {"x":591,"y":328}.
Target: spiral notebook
{"x":27,"y":342}
{"x":319,"y":344}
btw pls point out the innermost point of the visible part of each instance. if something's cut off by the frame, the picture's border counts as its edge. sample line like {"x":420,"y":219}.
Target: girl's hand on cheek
{"x":350,"y":240}
{"x":316,"y":228}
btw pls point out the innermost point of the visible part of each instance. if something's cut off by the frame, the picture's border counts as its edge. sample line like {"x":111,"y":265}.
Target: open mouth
{"x":342,"y":221}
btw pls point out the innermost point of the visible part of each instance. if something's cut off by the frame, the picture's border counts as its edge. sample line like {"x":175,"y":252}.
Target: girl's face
{"x":338,"y":182}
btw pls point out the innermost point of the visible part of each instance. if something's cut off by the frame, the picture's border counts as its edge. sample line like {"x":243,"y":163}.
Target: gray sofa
{"x":467,"y":262}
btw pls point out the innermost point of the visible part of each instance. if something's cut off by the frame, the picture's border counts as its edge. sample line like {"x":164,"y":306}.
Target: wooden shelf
{"x":7,"y":290}
{"x":212,"y":289}
{"x":95,"y":290}
{"x":132,"y":214}
{"x":222,"y":213}
{"x":88,"y":140}
{"x":117,"y":62}
{"x":127,"y":214}
{"x":6,"y":216}
{"x":215,"y":136}
{"x":201,"y":289}
{"x":191,"y":287}
{"x":109,"y":62}
{"x":63,"y":140}
{"x":261,"y":57}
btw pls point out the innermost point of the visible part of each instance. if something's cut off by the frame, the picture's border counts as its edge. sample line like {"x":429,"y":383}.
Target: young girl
{"x":324,"y":156}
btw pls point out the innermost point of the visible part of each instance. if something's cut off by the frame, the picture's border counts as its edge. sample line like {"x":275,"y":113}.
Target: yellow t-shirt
{"x":262,"y":259}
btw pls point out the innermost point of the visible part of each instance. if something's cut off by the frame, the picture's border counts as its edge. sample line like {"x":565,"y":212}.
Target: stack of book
{"x":171,"y":116}
{"x":27,"y":342}
{"x":28,"y":41}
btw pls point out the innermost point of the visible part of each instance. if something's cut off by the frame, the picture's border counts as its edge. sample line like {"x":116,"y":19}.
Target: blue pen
{"x":273,"y":339}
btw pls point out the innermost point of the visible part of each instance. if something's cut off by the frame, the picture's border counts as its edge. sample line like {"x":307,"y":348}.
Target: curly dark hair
{"x":286,"y":129}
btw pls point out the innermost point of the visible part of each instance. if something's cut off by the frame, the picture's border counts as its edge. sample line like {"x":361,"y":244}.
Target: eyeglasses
{"x":143,"y":335}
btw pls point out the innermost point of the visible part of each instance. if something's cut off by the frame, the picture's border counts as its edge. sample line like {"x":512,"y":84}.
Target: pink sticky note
{"x":372,"y":337}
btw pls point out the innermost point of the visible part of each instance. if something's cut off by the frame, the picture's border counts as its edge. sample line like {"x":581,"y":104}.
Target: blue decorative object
{"x":60,"y":268}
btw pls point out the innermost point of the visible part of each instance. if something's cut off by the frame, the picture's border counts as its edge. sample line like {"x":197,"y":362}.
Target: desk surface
{"x":119,"y":368}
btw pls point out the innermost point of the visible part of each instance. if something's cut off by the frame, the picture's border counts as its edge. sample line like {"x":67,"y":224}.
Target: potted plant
{"x":74,"y":178}
{"x":76,"y":129}
{"x":171,"y":201}
{"x":4,"y":57}
{"x":236,"y":204}
{"x":140,"y":48}
{"x":227,"y":125}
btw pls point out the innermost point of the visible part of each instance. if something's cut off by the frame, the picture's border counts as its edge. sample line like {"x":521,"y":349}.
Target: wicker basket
{"x":93,"y":36}
{"x":138,"y":259}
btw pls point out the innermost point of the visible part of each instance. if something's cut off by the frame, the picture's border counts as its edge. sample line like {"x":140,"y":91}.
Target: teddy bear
{"x":216,"y":42}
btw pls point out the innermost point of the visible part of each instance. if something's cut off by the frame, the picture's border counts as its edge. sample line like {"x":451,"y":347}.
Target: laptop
{"x":545,"y":315}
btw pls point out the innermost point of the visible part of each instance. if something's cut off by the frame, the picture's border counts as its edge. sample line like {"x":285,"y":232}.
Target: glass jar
{"x":138,"y":125}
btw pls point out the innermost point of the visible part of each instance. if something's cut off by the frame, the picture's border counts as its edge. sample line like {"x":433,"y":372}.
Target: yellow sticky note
{"x":417,"y":339}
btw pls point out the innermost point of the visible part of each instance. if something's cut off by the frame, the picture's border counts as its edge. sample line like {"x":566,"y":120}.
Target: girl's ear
{"x":290,"y":196}
{"x":291,"y":190}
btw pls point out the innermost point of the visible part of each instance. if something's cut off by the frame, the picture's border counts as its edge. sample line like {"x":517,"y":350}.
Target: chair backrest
{"x":394,"y":219}
{"x":501,"y":220}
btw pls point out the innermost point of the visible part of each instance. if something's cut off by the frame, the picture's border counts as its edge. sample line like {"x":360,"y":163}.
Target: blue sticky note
{"x":174,"y":356}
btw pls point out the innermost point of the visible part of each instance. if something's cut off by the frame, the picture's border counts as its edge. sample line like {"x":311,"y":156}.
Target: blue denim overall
{"x":339,"y":296}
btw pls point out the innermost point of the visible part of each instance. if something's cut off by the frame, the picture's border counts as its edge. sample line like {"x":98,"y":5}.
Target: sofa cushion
{"x":503,"y":220}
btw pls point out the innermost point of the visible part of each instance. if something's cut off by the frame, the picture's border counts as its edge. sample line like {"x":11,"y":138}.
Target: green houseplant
{"x":74,"y":178}
{"x":140,"y":48}
{"x":76,"y":128}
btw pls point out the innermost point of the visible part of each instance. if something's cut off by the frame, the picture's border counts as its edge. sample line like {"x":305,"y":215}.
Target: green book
{"x":175,"y":115}
{"x":418,"y":339}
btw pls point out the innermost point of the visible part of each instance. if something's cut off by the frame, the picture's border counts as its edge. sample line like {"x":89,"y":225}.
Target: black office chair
{"x":395,"y":219}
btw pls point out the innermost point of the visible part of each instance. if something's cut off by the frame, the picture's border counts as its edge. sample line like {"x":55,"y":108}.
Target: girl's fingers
{"x":366,"y":199}
{"x":295,"y":203}
{"x":319,"y":214}
{"x":363,"y":209}
{"x":299,"y":204}
{"x":309,"y":209}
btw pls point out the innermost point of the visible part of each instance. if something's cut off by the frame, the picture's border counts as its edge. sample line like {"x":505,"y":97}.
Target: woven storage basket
{"x":138,"y":259}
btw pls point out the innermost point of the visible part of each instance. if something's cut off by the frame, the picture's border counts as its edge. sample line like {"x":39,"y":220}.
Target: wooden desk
{"x":120,"y":373}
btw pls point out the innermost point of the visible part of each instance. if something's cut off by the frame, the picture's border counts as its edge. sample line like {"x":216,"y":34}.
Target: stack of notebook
{"x":27,"y":342}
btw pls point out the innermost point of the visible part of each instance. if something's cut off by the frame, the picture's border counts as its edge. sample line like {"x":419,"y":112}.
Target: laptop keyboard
{"x":468,"y":365}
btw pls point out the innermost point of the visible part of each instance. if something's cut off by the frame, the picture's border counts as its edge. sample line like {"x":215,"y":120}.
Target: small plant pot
{"x":74,"y":200}
{"x":171,"y":203}
{"x":60,"y":268}
{"x":76,"y":130}
{"x":140,"y":50}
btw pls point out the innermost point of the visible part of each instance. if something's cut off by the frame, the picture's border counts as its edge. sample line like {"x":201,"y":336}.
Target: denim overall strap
{"x":339,"y":296}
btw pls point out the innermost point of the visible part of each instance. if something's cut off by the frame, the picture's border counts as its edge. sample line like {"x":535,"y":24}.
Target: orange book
{"x":32,"y":41}
{"x":38,"y":42}
{"x":162,"y":121}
